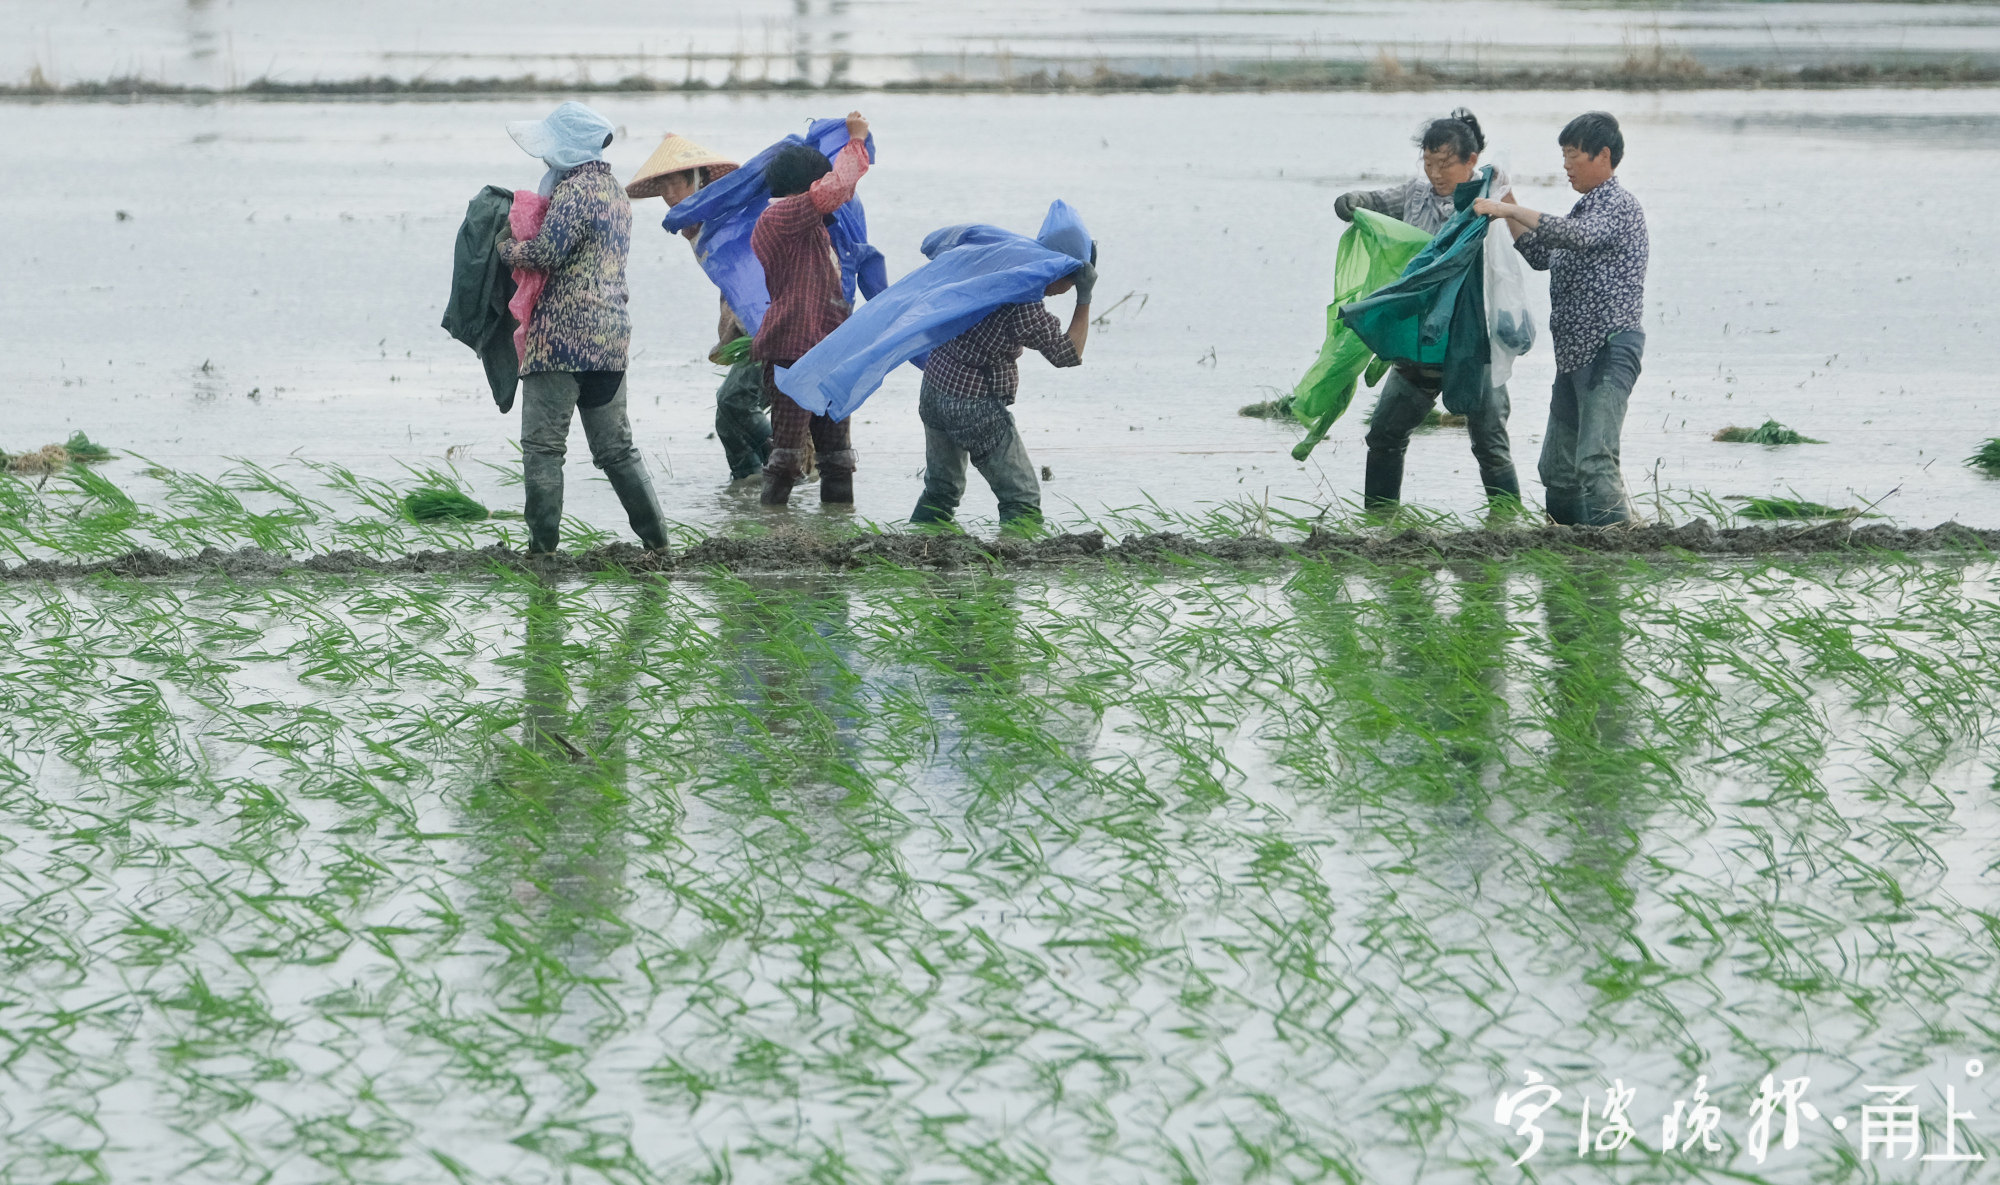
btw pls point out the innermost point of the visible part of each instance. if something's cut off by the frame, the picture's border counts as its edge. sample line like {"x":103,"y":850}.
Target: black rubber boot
{"x":1563,"y":504}
{"x":777,"y":490}
{"x":1382,"y":483}
{"x":642,"y":509}
{"x":542,"y":478}
{"x":836,"y":486}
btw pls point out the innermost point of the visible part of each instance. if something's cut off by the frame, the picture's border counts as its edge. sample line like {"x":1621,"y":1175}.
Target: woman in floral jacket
{"x":575,"y":353}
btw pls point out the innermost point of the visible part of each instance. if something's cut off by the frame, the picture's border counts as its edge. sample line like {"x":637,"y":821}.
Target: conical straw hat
{"x":676,"y":154}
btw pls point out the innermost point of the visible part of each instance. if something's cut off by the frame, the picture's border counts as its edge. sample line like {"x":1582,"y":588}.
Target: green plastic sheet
{"x":1373,"y":252}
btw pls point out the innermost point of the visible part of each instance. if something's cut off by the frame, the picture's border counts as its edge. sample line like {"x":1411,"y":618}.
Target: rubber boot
{"x":635,"y":493}
{"x":542,"y":479}
{"x":1503,"y":493}
{"x":1382,"y":483}
{"x":777,"y":490}
{"x":1563,"y":504}
{"x":836,"y":486}
{"x":1611,"y":516}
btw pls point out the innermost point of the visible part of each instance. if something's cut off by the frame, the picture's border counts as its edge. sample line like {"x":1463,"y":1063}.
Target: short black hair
{"x":1458,"y":131}
{"x":794,"y":169}
{"x":1592,"y":133}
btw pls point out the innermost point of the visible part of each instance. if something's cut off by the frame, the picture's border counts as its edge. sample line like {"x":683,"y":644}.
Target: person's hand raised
{"x":857,"y":127}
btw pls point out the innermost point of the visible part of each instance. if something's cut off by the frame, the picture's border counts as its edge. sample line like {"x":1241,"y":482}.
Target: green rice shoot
{"x":1988,"y":456}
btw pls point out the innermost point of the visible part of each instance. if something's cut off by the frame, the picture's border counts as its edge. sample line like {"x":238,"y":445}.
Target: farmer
{"x":574,"y":358}
{"x":970,"y":381}
{"x":802,"y":275}
{"x":1451,"y":148}
{"x":1596,"y":260}
{"x":677,"y":169}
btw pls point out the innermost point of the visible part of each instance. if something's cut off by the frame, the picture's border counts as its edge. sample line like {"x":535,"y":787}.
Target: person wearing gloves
{"x":970,"y":383}
{"x":678,"y":169}
{"x":1451,"y":148}
{"x":574,"y":355}
{"x":808,"y":301}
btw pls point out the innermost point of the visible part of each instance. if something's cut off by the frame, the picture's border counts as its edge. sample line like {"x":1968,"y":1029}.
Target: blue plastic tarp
{"x":728,"y":211}
{"x":973,"y":270}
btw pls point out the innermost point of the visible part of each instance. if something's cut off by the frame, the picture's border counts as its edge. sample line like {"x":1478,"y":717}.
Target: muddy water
{"x":205,"y":43}
{"x":274,"y":285}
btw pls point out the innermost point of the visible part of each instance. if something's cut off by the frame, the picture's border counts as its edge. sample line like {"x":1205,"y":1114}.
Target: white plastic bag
{"x":1510,"y":323}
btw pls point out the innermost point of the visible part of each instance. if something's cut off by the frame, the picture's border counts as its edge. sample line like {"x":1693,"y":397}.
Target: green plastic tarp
{"x":1435,"y":314}
{"x":1372,"y":252}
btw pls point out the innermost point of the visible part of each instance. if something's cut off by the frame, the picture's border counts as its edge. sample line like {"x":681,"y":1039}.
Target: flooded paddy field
{"x":1141,"y":874}
{"x":263,"y":280}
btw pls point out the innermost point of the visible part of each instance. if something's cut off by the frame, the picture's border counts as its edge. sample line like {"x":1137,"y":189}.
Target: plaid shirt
{"x":1596,"y":260}
{"x":979,"y":363}
{"x":800,"y":269}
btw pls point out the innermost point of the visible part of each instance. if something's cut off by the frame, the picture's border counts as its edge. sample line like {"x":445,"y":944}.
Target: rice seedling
{"x":432,"y":504}
{"x":81,"y":448}
{"x":1769,"y":432}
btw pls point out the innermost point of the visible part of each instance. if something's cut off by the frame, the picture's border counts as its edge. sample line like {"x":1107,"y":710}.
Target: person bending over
{"x":1451,"y":148}
{"x":969,"y":384}
{"x":1596,"y":259}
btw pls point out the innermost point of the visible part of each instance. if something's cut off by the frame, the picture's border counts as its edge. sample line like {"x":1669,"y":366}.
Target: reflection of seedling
{"x":1769,"y":432}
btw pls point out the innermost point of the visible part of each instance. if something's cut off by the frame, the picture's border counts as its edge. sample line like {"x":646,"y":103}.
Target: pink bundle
{"x":525,"y":220}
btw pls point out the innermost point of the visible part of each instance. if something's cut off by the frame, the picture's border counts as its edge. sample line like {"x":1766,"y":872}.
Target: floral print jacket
{"x":581,"y":322}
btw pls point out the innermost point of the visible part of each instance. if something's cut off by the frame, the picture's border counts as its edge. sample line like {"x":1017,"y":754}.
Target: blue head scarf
{"x":572,"y":135}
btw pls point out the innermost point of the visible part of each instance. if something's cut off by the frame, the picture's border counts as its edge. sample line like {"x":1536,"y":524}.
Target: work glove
{"x":1085,"y":277}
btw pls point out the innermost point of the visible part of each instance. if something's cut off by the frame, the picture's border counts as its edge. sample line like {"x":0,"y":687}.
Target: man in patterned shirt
{"x":1596,"y":260}
{"x":971,"y":380}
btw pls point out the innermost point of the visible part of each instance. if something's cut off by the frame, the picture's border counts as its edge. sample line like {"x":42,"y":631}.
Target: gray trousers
{"x":548,"y":399}
{"x":1403,"y":405}
{"x":983,"y":432}
{"x":1586,"y":417}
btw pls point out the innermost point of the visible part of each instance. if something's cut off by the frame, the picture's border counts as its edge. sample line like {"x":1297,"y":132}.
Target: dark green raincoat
{"x":481,"y":286}
{"x":1435,"y":314}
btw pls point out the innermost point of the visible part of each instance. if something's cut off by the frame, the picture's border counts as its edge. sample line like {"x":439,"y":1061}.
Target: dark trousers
{"x":740,"y":422}
{"x":792,"y":426}
{"x":1403,"y":405}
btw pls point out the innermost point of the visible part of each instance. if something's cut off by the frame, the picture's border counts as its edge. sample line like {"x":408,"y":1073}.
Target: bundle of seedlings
{"x":433,"y":504}
{"x":50,"y":458}
{"x":1793,"y":508}
{"x":1988,"y":456}
{"x":1769,"y":432}
{"x":82,"y":448}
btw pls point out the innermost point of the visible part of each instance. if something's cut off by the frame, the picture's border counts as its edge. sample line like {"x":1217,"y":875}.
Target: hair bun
{"x":1464,"y":115}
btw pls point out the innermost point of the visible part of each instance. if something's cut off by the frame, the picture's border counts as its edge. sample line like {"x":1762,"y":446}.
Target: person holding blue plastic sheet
{"x":970,"y":383}
{"x":678,"y":169}
{"x":1451,"y":148}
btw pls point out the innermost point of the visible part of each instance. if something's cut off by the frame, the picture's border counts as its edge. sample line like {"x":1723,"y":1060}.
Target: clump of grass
{"x":1775,"y":508}
{"x":442,"y":504}
{"x":736,"y":351}
{"x":1988,"y":456}
{"x":83,"y":448}
{"x":1769,"y":432}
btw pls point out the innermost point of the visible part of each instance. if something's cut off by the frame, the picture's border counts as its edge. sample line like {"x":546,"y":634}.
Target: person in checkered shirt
{"x":969,"y":384}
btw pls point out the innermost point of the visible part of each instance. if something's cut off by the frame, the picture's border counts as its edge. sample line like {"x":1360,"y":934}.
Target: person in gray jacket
{"x":1451,"y":148}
